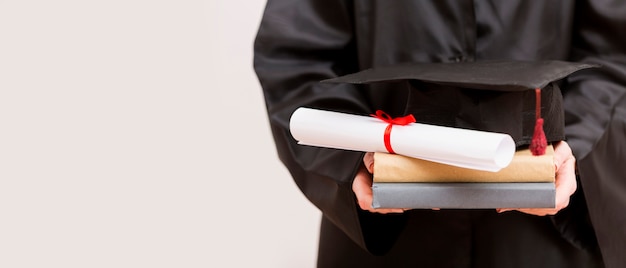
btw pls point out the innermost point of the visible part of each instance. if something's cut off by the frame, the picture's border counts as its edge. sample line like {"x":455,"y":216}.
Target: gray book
{"x":463,"y":195}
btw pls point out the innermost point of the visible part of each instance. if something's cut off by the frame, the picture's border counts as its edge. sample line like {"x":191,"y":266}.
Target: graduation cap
{"x":520,"y":98}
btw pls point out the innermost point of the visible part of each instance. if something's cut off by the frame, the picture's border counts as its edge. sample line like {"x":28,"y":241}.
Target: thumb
{"x":368,"y":161}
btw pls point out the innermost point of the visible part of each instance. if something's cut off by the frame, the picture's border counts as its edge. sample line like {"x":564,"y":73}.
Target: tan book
{"x":524,"y":167}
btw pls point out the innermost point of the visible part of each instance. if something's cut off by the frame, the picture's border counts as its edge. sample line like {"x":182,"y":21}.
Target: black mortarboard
{"x":499,"y":96}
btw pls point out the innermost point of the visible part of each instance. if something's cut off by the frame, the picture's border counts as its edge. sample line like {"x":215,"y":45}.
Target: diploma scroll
{"x":452,"y":146}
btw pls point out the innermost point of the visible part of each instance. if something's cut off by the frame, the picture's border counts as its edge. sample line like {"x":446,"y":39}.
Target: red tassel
{"x":539,"y":143}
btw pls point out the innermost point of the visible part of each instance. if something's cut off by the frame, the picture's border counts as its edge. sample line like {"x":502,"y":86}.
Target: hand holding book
{"x":362,"y":188}
{"x":565,"y":165}
{"x":565,"y":184}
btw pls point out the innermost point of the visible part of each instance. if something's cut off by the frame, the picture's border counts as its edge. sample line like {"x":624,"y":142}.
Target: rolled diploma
{"x":465,"y":148}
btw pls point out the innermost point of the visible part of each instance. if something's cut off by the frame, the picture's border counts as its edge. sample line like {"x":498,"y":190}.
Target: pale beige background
{"x":133,"y":134}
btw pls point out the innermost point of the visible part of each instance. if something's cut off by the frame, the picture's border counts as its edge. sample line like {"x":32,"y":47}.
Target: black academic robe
{"x":300,"y":43}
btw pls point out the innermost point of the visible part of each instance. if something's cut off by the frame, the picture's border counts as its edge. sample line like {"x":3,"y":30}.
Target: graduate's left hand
{"x":565,"y":165}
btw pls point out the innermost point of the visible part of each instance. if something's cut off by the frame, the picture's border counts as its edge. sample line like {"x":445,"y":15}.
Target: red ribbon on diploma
{"x":401,"y":121}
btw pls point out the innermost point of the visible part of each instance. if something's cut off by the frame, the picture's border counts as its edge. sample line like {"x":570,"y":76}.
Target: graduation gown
{"x":300,"y":43}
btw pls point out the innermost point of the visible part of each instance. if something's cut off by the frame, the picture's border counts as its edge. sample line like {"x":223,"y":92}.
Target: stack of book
{"x":406,"y":182}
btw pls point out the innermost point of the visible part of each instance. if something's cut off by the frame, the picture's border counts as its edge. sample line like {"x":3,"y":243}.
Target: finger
{"x":362,"y":188}
{"x":386,"y":210}
{"x":562,"y":152}
{"x":368,"y":161}
{"x":565,"y":175}
{"x":559,"y":152}
{"x":539,"y":211}
{"x":502,"y":210}
{"x":531,"y":211}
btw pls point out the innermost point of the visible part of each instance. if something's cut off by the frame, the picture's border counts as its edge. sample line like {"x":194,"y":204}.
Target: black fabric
{"x":605,"y":187}
{"x":503,"y":112}
{"x":496,"y":75}
{"x":448,"y":239}
{"x":495,"y":96}
{"x":300,"y":43}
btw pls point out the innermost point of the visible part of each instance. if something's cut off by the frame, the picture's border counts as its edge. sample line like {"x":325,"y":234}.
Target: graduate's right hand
{"x":362,"y":187}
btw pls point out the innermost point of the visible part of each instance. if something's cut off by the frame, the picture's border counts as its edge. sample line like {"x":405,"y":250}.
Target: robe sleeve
{"x":298,"y":44}
{"x":595,"y":122}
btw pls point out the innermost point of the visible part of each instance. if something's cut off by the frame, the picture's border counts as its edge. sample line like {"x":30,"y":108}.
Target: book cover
{"x":524,"y":167}
{"x":463,"y":195}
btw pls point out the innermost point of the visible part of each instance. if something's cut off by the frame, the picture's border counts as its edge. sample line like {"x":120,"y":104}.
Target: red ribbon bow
{"x":401,"y":121}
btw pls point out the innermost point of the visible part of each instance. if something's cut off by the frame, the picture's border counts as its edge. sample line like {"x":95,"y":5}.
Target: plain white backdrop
{"x":133,"y":133}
